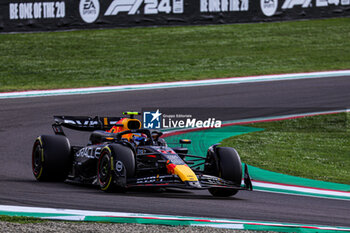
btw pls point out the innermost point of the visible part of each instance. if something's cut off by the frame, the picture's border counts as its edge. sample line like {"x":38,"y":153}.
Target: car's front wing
{"x":204,"y":182}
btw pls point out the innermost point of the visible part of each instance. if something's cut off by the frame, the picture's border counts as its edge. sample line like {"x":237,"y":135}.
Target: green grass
{"x":20,"y":219}
{"x":311,"y":147}
{"x":139,"y":55}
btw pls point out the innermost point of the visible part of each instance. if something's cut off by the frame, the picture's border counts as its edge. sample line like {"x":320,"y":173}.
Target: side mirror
{"x":185,"y":141}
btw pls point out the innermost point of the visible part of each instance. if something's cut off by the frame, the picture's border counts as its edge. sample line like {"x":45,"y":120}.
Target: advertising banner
{"x":38,"y":15}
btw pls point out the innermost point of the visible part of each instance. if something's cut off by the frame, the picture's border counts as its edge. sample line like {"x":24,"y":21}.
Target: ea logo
{"x":89,"y":10}
{"x":268,"y":7}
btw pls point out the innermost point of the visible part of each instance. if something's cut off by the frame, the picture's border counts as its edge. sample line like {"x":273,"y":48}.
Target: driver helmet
{"x":139,"y":138}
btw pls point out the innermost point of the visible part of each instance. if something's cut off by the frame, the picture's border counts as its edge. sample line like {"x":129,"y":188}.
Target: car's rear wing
{"x":83,"y":123}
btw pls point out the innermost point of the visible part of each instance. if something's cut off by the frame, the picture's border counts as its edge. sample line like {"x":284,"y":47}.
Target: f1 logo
{"x":152,"y":120}
{"x":130,"y":6}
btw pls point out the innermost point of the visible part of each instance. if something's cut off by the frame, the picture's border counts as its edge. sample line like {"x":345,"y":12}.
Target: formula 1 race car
{"x":120,"y":155}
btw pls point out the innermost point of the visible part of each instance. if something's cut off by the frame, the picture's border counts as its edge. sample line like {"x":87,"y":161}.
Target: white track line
{"x":150,"y":86}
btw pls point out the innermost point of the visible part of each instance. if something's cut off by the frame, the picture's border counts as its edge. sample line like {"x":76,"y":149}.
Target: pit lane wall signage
{"x":38,"y":15}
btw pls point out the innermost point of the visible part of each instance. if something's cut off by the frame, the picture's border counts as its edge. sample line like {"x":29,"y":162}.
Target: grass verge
{"x":20,"y":219}
{"x":141,"y":55}
{"x":312,"y":147}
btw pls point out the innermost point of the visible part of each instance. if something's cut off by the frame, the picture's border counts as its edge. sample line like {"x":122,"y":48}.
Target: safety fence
{"x":39,"y":15}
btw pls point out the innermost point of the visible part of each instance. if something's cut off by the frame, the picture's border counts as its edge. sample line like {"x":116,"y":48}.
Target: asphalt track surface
{"x":22,"y":120}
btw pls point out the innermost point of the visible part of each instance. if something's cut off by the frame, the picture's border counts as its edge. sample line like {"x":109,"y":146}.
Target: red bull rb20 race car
{"x":121,"y":155}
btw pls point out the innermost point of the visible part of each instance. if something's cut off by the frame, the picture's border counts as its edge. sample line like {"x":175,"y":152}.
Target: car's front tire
{"x":115,"y":165}
{"x":227,"y":165}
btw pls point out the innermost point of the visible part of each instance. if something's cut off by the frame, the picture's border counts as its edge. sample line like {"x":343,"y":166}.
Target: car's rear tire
{"x":115,"y":165}
{"x":229,"y":168}
{"x":51,"y":158}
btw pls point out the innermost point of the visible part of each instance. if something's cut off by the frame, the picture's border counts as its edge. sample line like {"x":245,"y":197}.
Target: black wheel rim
{"x":104,"y":169}
{"x":36,"y":159}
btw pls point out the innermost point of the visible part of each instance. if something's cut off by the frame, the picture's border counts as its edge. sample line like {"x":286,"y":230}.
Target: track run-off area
{"x":263,"y":97}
